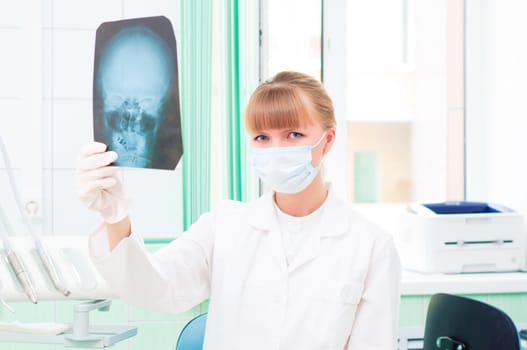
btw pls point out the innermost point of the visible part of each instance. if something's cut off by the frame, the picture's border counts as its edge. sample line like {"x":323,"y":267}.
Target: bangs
{"x":275,"y":106}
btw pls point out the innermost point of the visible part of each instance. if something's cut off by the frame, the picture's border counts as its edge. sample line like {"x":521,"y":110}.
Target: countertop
{"x":414,"y":283}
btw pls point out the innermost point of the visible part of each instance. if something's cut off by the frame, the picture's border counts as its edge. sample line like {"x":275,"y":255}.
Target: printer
{"x":457,"y":237}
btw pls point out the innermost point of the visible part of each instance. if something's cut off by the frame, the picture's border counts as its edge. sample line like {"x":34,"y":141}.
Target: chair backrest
{"x":459,"y":323}
{"x":191,"y":336}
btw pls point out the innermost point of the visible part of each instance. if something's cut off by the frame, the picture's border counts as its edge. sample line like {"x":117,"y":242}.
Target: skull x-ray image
{"x":136,"y":92}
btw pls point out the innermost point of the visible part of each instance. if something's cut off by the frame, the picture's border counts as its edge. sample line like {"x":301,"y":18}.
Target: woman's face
{"x":307,"y":135}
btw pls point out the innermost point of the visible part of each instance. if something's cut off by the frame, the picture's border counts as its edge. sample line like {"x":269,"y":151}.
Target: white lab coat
{"x":340,"y":292}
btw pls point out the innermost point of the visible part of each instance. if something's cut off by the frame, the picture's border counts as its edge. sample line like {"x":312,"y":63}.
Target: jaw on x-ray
{"x":135,"y":92}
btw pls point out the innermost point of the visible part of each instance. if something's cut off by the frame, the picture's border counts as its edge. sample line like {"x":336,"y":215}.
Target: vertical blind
{"x":240,"y":77}
{"x":195,"y":87}
{"x":237,"y":72}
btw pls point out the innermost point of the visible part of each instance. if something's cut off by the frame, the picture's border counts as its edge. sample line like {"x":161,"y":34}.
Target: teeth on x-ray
{"x":134,"y":84}
{"x":122,"y":141}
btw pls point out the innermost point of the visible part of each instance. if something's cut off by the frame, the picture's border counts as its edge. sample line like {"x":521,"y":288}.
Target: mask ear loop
{"x":319,"y":166}
{"x":319,"y":140}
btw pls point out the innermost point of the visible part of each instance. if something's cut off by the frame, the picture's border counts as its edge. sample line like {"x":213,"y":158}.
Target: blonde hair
{"x":289,"y":100}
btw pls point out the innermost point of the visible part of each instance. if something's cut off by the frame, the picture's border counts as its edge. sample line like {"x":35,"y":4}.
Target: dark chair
{"x":191,"y":336}
{"x":459,"y":323}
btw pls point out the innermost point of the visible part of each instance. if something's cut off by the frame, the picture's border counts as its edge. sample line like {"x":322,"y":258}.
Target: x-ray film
{"x":136,"y":92}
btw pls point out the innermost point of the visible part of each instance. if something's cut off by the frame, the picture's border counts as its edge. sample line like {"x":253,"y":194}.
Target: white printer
{"x":456,"y":237}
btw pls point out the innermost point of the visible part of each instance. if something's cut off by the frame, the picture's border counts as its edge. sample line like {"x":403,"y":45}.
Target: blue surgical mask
{"x":285,"y":169}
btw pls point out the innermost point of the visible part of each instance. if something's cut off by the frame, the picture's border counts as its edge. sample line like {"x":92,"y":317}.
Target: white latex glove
{"x":98,"y":184}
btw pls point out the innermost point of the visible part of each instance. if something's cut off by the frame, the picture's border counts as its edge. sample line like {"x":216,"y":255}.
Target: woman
{"x":294,"y":269}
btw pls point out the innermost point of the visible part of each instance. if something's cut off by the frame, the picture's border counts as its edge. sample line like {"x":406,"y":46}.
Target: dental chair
{"x":459,"y":323}
{"x":191,"y":336}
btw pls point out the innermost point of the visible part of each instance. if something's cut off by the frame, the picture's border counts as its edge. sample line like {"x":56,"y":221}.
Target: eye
{"x":114,"y":119}
{"x":295,"y":135}
{"x":260,"y":138}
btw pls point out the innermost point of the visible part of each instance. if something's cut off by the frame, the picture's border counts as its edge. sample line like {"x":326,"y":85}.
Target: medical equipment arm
{"x":46,"y":259}
{"x":3,"y":302}
{"x":98,"y":185}
{"x":14,"y":261}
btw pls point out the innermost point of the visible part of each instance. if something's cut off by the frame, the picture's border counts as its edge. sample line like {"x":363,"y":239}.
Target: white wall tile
{"x":85,"y":14}
{"x":67,"y":119}
{"x":47,"y":13}
{"x":47,"y":135}
{"x":8,"y":204}
{"x":156,"y":209}
{"x":9,"y":57}
{"x":47,"y":202}
{"x":11,"y":13}
{"x":21,"y":149}
{"x":22,"y":179}
{"x":72,"y":128}
{"x":70,"y":216}
{"x":73,"y":52}
{"x":47,"y":63}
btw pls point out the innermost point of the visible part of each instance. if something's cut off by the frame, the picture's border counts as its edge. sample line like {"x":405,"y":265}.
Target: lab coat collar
{"x":334,"y":221}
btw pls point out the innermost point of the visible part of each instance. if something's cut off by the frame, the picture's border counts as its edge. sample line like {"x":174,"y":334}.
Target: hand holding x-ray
{"x":135,"y":92}
{"x":98,"y":184}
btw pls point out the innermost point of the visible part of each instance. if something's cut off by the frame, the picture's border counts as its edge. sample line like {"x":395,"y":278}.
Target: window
{"x":380,"y":100}
{"x":392,"y":106}
{"x":291,"y":37}
{"x":496,"y":53}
